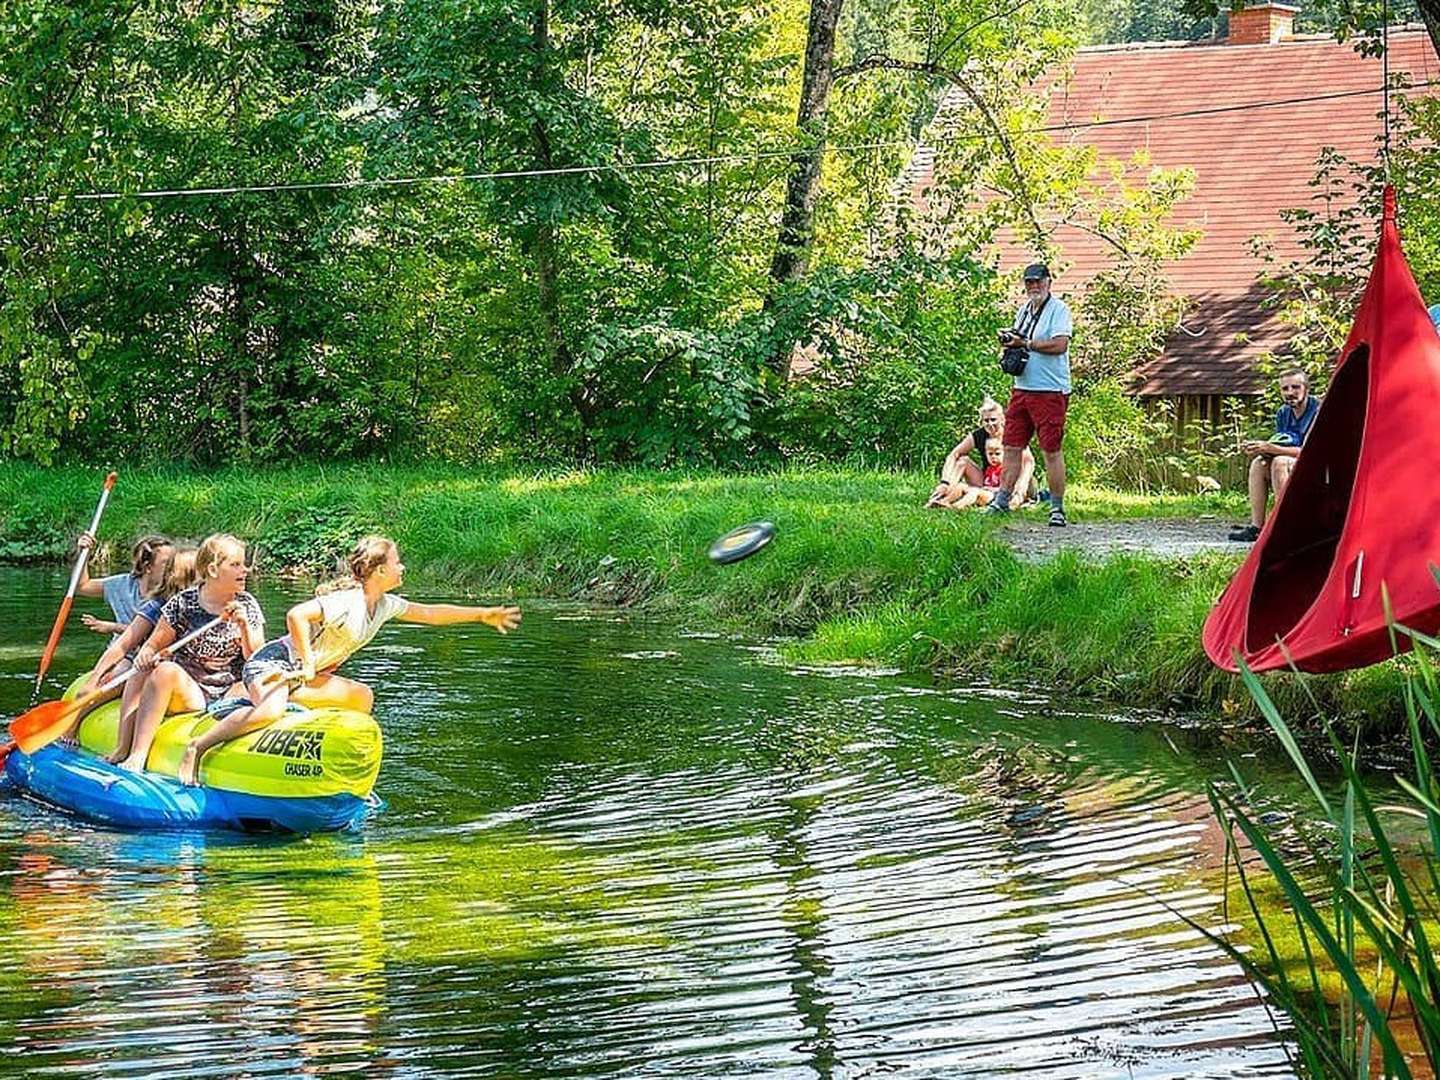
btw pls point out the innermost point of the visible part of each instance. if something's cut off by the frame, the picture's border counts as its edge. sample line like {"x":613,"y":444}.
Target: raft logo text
{"x":296,"y":743}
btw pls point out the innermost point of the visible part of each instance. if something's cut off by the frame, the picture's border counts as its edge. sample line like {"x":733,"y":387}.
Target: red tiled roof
{"x":1249,"y":165}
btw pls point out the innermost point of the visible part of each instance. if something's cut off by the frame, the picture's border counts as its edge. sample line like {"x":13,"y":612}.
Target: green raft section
{"x":304,"y":754}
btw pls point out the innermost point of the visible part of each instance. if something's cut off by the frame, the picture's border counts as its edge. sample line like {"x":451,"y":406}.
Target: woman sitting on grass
{"x":326,"y":631}
{"x":206,"y":669}
{"x":980,"y":494}
{"x":960,"y":473}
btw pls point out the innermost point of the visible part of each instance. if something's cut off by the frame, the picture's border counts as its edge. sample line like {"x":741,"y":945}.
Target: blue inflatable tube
{"x":92,"y":788}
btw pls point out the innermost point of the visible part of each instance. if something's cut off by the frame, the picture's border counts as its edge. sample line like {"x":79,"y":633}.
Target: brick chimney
{"x":1261,"y":24}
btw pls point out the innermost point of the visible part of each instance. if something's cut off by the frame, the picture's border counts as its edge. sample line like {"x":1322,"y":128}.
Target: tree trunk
{"x":797,"y":222}
{"x":1430,"y":14}
{"x":543,"y":246}
{"x":240,"y":275}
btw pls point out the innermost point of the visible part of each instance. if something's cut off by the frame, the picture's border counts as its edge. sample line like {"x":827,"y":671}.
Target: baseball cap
{"x":1036,"y":271}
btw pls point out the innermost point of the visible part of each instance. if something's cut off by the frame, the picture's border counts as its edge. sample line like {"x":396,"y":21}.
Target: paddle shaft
{"x":161,"y":654}
{"x":41,"y":724}
{"x":65,"y":604}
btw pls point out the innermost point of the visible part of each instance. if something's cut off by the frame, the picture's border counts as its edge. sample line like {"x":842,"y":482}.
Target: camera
{"x":1006,"y":336}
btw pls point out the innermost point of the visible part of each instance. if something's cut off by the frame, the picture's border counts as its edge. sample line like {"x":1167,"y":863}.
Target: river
{"x":618,"y":847}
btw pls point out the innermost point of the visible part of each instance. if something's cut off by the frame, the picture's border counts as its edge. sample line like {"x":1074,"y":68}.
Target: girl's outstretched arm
{"x":133,"y":637}
{"x":503,"y":619}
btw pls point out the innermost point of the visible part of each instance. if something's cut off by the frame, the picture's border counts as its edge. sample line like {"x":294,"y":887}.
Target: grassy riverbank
{"x":858,"y":571}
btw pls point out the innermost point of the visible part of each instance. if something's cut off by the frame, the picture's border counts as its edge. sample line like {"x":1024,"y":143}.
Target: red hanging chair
{"x":1362,"y":508}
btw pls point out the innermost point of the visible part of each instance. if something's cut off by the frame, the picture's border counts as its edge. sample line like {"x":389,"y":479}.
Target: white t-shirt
{"x":1044,"y":372}
{"x":347,"y":626}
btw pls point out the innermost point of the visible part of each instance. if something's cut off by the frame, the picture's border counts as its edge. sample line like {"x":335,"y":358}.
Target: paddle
{"x":64,"y":614}
{"x":46,"y":722}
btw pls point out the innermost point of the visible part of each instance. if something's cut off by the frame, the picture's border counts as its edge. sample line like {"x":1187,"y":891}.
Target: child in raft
{"x":120,"y":653}
{"x":125,"y":592}
{"x":981,"y":494}
{"x":326,"y":631}
{"x":206,"y":669}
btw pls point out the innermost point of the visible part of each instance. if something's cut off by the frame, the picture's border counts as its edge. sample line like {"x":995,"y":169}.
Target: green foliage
{"x":902,"y":356}
{"x":316,"y":539}
{"x":1148,"y":20}
{"x":602,"y":312}
{"x":29,"y":536}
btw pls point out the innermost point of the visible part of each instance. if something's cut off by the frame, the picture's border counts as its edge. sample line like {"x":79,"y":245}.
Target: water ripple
{"x":614,"y":849}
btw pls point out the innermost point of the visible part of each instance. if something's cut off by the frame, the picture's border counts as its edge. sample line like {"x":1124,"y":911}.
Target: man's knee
{"x":1263,"y":470}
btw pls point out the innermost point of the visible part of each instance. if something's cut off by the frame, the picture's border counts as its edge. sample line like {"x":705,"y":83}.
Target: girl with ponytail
{"x":324,"y":632}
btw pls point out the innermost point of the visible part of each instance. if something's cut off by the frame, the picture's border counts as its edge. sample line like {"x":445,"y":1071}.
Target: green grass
{"x":858,"y":572}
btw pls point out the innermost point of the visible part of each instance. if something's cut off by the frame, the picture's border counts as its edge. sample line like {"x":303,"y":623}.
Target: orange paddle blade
{"x":42,"y":725}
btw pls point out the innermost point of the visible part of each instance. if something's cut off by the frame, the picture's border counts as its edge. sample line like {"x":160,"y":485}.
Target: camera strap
{"x":1034,"y":321}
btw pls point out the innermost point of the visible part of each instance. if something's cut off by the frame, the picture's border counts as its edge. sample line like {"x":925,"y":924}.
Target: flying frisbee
{"x":741,"y":543}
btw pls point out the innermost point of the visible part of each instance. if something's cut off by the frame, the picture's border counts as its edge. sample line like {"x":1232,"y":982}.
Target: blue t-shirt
{"x":150,"y":610}
{"x":1435,"y":315}
{"x":1297,"y":427}
{"x":122,"y":593}
{"x":1044,"y":372}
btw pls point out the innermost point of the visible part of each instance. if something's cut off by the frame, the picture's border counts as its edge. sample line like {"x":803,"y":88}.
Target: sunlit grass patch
{"x":858,"y":571}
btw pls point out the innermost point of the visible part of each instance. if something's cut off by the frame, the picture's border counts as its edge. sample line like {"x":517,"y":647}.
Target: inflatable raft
{"x":310,"y":771}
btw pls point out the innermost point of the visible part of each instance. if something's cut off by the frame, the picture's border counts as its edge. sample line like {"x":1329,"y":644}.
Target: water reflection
{"x":618,"y":848}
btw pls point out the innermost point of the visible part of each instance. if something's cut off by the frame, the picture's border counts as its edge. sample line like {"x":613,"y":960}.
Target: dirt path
{"x":1034,"y":540}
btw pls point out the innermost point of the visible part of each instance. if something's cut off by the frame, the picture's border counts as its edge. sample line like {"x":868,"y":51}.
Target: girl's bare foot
{"x":189,"y":771}
{"x":132,"y":764}
{"x":117,"y":755}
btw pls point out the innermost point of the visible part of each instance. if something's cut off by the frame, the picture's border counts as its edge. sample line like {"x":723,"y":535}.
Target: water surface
{"x":617,"y":847}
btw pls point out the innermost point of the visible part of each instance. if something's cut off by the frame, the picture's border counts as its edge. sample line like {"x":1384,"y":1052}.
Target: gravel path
{"x":1034,"y":540}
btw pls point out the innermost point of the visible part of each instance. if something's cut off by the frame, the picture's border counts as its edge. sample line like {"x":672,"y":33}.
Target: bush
{"x":317,"y":540}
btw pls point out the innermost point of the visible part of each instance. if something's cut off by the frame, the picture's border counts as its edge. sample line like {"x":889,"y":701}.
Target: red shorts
{"x":1035,"y":412}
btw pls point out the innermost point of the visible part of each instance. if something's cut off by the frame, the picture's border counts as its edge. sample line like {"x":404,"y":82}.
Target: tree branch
{"x":881,"y":62}
{"x":960,"y":34}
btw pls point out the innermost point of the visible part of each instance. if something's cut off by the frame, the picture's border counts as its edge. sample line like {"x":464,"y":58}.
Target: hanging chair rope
{"x":1385,"y":91}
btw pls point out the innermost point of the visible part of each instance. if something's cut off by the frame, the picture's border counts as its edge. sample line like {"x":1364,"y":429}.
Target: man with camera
{"x":1037,"y":355}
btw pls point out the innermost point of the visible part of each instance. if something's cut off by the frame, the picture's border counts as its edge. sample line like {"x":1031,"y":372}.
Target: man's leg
{"x":1019,"y":429}
{"x":1010,"y":469}
{"x":1280,"y":474}
{"x":1259,"y":489}
{"x":1051,"y":433}
{"x":1055,"y":475}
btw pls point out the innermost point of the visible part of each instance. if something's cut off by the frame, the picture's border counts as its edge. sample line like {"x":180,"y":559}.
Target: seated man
{"x":1272,"y":459}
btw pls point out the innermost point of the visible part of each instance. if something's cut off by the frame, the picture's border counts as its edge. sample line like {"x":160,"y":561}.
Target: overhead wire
{"x":714,"y":159}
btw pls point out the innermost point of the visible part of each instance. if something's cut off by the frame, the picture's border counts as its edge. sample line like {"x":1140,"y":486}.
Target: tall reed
{"x":1359,"y":897}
